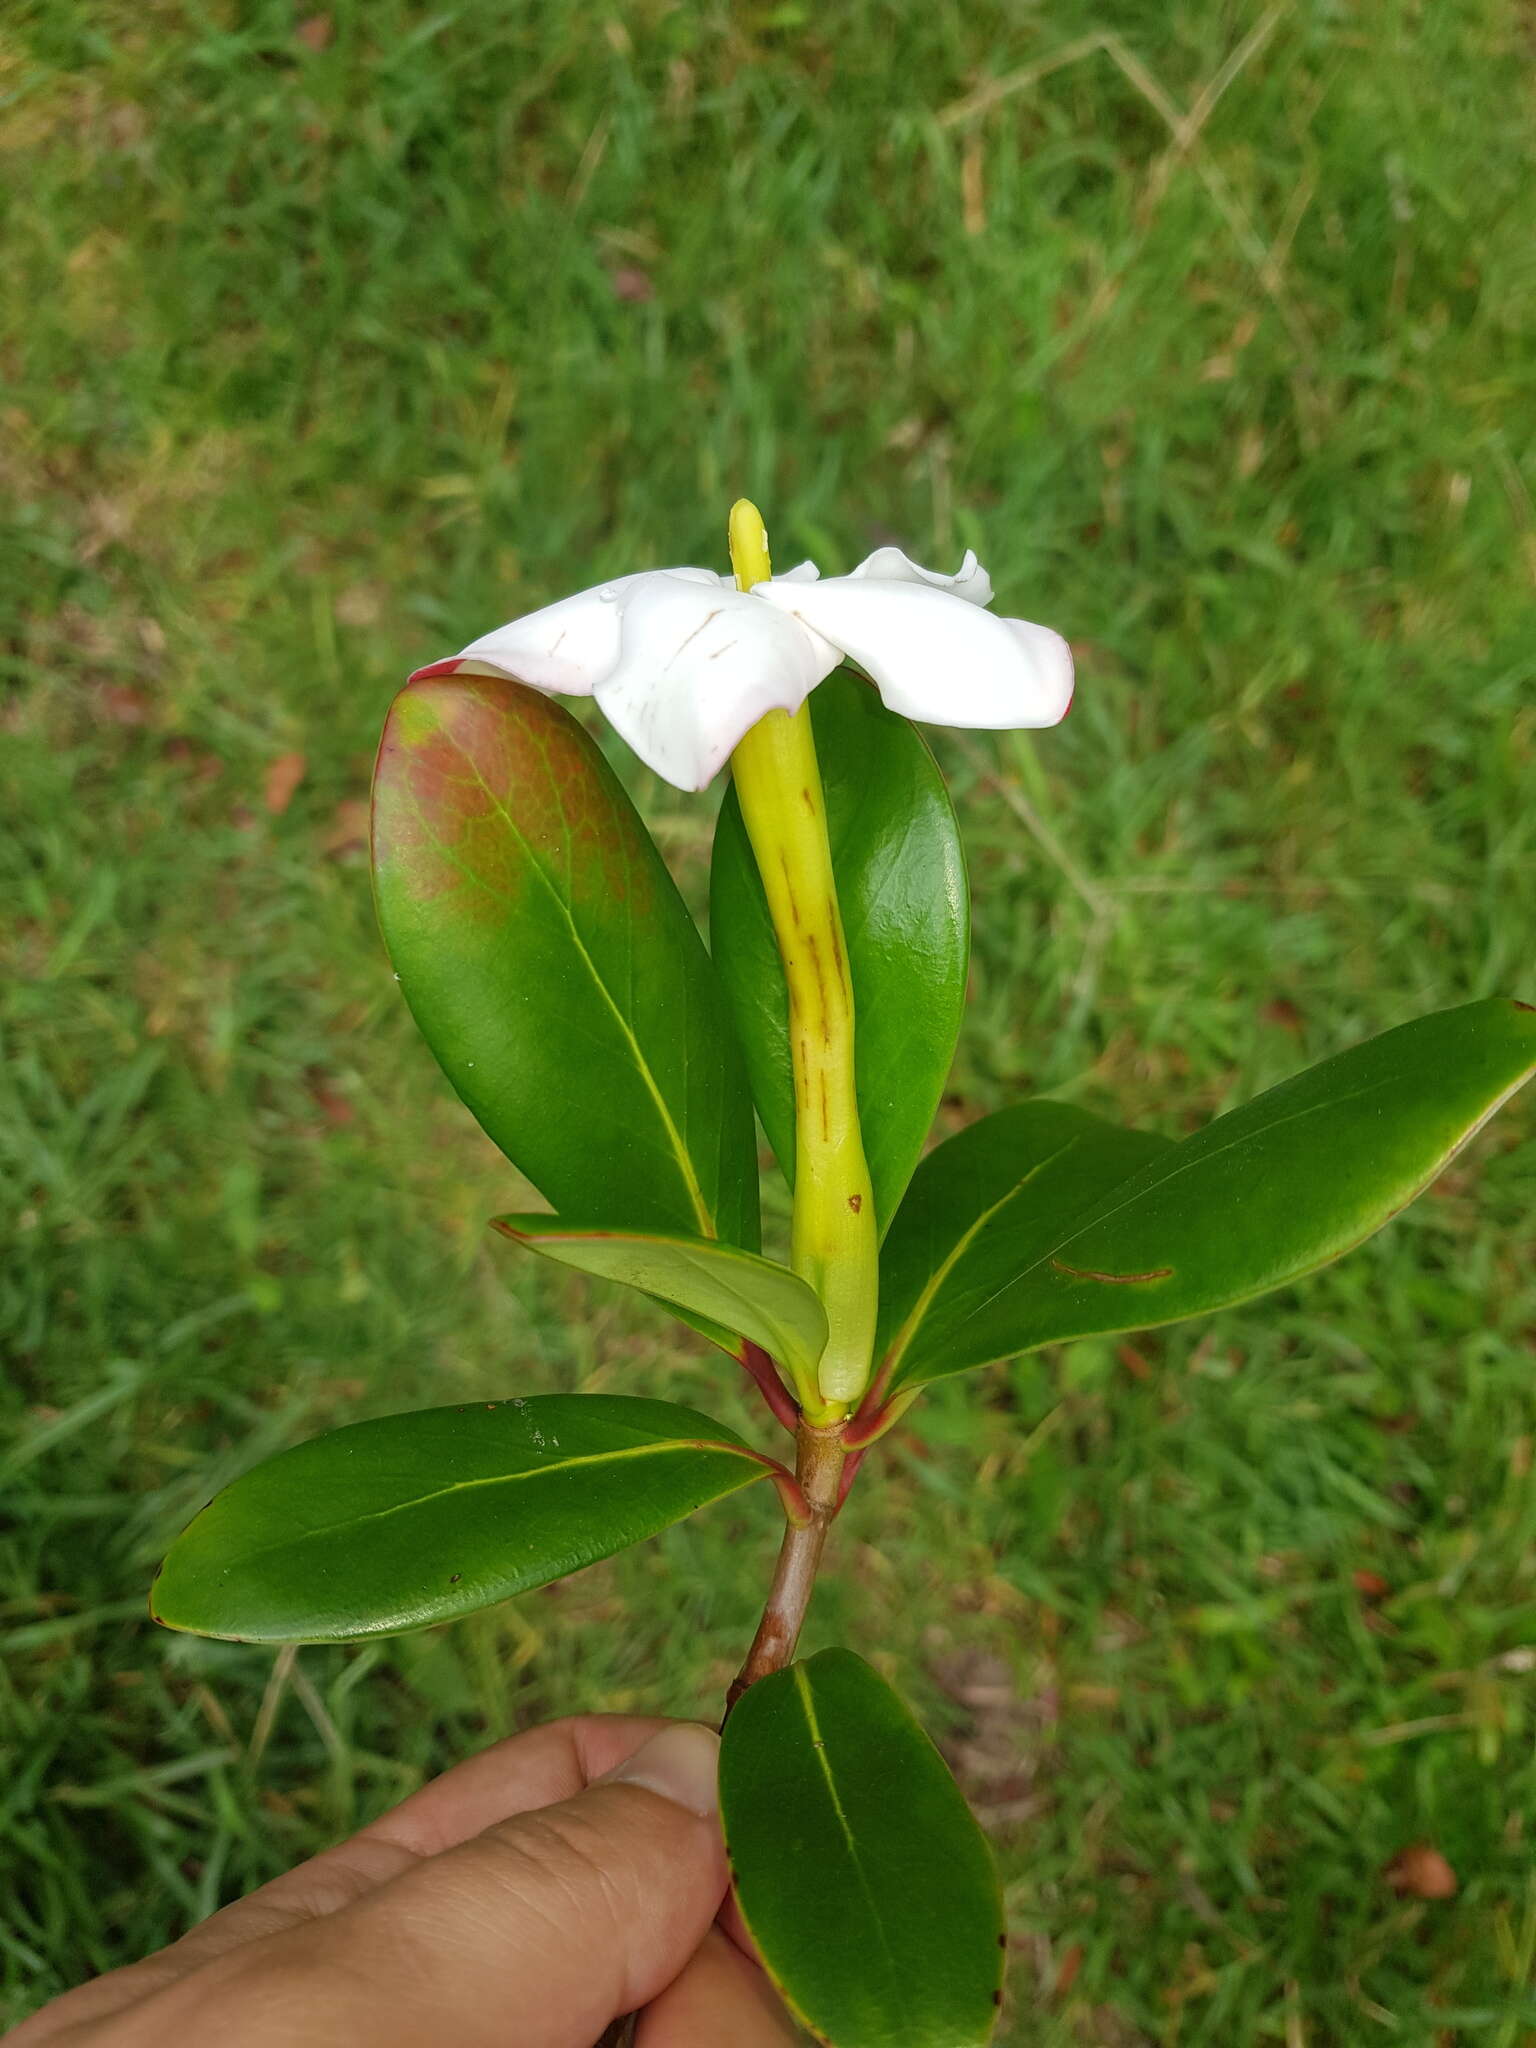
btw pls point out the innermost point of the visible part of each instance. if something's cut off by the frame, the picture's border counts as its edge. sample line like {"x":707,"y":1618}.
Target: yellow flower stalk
{"x":834,"y":1244}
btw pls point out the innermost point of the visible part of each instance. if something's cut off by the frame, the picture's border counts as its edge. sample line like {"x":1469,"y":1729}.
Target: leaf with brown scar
{"x":1043,"y":1223}
{"x":1112,"y":1279}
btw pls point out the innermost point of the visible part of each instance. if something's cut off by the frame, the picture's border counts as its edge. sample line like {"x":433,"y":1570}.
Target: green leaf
{"x":410,"y":1519}
{"x":746,"y":1294}
{"x":551,"y":964}
{"x":906,"y":919}
{"x":981,"y":1207}
{"x":860,"y":1871}
{"x":1260,"y":1197}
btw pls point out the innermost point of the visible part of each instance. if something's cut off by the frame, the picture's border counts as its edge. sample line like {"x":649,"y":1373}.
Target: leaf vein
{"x":819,"y":1751}
{"x":422,"y":1500}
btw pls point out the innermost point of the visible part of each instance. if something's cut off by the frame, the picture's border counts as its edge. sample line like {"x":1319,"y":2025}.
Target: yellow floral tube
{"x":834,"y":1246}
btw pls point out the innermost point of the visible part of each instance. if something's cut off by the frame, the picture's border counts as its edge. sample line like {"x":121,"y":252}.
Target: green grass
{"x":312,"y":364}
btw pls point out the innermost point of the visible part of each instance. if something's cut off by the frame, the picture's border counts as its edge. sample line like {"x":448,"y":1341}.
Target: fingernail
{"x":682,"y":1764}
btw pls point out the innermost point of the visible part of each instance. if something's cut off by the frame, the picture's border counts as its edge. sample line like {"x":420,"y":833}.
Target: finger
{"x":537,"y":1932}
{"x":517,"y":1776}
{"x":534,"y":1769}
{"x":720,"y":1997}
{"x":527,"y":1771}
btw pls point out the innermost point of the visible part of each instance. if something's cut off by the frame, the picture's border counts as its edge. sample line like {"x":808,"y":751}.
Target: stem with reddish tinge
{"x":850,"y":1472}
{"x":819,"y":1469}
{"x":878,"y":1413}
{"x":761,"y":1370}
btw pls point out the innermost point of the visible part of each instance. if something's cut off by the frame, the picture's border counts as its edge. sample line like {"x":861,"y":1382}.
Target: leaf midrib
{"x":352,"y":1522}
{"x":819,"y":1751}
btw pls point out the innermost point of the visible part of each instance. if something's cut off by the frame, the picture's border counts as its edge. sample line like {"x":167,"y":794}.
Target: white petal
{"x":566,"y":647}
{"x":970,"y":580}
{"x":698,"y":668}
{"x":934,"y":656}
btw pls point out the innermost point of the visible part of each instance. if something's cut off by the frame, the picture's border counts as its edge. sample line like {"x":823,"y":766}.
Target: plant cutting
{"x":559,"y":980}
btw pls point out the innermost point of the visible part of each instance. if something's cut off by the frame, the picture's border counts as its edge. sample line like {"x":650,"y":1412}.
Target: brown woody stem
{"x":819,"y":1469}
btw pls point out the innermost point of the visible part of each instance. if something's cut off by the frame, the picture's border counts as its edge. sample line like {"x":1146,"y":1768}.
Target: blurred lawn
{"x":329,"y":342}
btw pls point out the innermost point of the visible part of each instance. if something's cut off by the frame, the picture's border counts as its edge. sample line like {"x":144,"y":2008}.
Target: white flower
{"x":683,"y":663}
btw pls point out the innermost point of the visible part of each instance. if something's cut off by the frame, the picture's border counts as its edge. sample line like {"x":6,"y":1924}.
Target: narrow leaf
{"x":551,"y":964}
{"x":748,"y":1295}
{"x":860,"y":1871}
{"x":1260,"y":1197}
{"x":388,"y":1525}
{"x":906,"y":919}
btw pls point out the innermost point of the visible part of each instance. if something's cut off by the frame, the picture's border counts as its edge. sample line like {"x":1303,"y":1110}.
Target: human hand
{"x":523,"y":1900}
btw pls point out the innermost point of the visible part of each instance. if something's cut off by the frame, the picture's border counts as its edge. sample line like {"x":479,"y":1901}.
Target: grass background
{"x":330,"y":339}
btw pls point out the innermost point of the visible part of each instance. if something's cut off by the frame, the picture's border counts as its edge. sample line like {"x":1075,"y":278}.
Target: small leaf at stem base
{"x":750,"y":1296}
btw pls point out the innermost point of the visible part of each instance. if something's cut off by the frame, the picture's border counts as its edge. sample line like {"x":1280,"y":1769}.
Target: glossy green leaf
{"x":387,"y":1525}
{"x":860,"y":1871}
{"x":981,"y":1208}
{"x":551,"y":964}
{"x":1260,"y":1197}
{"x":747,"y":1295}
{"x":906,"y":918}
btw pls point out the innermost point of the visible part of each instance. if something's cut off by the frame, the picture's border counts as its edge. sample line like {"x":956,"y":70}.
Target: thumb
{"x":534,"y":1934}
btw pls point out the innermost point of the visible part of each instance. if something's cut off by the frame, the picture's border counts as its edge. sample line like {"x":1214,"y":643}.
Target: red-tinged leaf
{"x":551,"y":964}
